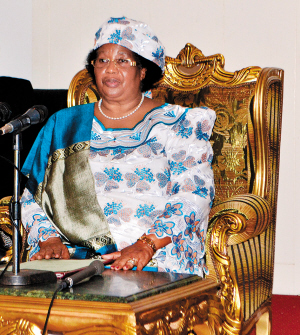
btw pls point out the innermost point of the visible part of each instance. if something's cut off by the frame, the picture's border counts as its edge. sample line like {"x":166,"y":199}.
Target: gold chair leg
{"x":263,"y":325}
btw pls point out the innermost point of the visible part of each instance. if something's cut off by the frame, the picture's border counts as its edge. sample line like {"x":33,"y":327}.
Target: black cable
{"x":10,"y":202}
{"x":19,"y":233}
{"x":12,"y":219}
{"x":11,"y":163}
{"x":60,"y":288}
{"x":18,"y":229}
{"x":7,"y":265}
{"x":11,"y":199}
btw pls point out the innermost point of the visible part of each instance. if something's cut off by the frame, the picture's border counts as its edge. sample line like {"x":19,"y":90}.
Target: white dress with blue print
{"x":153,"y":179}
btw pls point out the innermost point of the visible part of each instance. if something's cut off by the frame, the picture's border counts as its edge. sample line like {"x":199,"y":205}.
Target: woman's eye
{"x":103,"y":60}
{"x":121,"y":61}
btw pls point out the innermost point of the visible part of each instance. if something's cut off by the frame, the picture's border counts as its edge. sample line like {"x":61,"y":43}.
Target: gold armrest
{"x":6,"y":226}
{"x":234,"y":221}
{"x":252,"y":211}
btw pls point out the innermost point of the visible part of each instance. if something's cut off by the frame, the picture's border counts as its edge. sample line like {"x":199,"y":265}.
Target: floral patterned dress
{"x":153,"y":179}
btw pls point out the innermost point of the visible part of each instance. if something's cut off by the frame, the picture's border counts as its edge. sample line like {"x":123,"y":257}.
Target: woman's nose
{"x":111,"y":67}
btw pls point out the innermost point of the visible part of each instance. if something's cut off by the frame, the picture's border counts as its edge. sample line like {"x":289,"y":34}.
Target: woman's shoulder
{"x":202,"y":113}
{"x":75,"y":118}
{"x":74,"y":110}
{"x":193,"y":114}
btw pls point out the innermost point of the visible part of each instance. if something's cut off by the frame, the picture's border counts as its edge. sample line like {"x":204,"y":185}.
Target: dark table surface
{"x":111,"y":286}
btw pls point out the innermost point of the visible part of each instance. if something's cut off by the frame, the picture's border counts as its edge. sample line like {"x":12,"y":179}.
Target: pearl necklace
{"x":122,"y":117}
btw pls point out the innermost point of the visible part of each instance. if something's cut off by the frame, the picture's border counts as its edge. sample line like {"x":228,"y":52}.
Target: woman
{"x":127,"y":177}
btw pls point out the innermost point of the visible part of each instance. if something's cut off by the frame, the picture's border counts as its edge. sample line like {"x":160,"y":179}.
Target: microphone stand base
{"x":28,"y":277}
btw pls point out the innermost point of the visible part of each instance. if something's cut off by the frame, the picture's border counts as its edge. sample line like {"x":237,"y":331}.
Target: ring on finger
{"x":132,"y":261}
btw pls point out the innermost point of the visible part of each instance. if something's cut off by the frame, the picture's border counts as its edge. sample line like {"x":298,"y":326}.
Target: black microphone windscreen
{"x":43,"y":110}
{"x":95,"y":268}
{"x":98,"y":266}
{"x":5,"y":111}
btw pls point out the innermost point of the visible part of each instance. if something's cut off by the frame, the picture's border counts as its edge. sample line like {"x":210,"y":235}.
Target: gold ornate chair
{"x":240,"y":241}
{"x":246,"y":141}
{"x":6,"y":233}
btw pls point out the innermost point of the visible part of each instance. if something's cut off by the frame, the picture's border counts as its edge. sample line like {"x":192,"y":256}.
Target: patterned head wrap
{"x":133,"y":35}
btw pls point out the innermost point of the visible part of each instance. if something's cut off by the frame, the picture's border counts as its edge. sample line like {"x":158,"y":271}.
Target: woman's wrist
{"x":50,"y":240}
{"x":148,"y":241}
{"x":153,"y":242}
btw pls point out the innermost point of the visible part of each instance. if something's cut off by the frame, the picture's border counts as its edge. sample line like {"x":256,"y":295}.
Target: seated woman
{"x":125,"y":178}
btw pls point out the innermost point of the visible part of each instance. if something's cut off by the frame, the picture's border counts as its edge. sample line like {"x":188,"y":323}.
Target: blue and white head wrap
{"x":133,"y":35}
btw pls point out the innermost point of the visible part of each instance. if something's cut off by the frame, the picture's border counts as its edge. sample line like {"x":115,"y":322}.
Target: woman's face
{"x":116,"y":82}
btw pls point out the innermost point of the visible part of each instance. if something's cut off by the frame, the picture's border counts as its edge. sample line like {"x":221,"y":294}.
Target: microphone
{"x":5,"y":111}
{"x":34,"y":115}
{"x":94,"y":269}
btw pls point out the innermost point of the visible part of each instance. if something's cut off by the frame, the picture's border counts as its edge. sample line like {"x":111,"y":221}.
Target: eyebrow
{"x":119,"y":53}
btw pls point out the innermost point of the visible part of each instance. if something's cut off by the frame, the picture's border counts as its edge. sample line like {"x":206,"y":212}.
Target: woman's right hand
{"x":51,"y":248}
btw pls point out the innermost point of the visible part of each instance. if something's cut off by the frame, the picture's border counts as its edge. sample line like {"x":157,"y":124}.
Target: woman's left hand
{"x":138,"y":254}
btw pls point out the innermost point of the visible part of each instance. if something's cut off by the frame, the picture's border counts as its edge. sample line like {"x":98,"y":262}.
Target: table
{"x":117,"y":302}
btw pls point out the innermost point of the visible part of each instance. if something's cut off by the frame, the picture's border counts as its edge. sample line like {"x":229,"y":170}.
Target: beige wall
{"x":46,"y":41}
{"x":16,"y":38}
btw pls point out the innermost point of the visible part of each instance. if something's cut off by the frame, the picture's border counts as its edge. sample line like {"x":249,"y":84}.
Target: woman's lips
{"x":111,"y":82}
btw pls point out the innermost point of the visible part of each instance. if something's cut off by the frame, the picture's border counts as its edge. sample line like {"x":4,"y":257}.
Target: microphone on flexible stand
{"x":34,"y":115}
{"x":94,"y":269}
{"x":5,"y":111}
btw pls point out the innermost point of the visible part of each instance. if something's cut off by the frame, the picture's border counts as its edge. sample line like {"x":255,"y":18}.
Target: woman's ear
{"x":143,"y":73}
